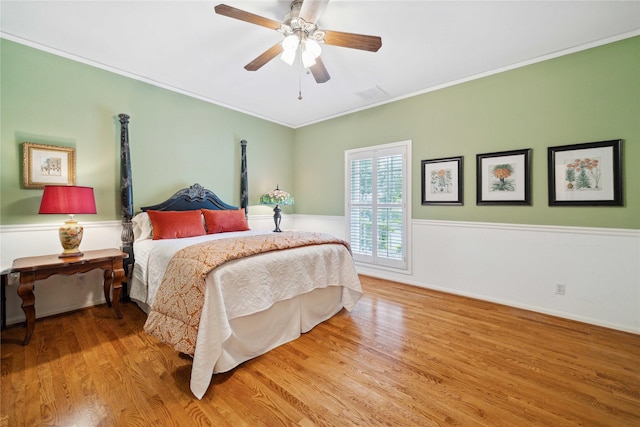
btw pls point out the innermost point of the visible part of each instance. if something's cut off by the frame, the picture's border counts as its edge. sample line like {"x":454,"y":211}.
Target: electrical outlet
{"x":14,"y":279}
{"x":560,"y":288}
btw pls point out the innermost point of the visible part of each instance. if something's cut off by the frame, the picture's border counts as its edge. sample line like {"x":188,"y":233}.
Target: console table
{"x":41,"y":267}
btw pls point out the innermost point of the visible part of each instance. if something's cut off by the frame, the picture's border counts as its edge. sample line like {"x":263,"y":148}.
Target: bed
{"x":230,"y":294}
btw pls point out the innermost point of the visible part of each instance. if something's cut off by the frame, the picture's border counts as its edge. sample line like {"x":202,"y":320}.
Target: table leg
{"x":25,"y":290}
{"x":3,"y":296}
{"x":108,"y":279}
{"x":118,"y":277}
{"x":113,"y":277}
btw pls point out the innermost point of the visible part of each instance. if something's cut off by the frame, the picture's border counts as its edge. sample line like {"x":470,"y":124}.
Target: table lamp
{"x":276,"y":197}
{"x":69,"y":200}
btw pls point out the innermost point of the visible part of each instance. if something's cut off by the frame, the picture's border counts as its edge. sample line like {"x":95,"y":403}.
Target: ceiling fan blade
{"x":312,"y":9}
{"x":319,"y":71}
{"x":232,"y":12}
{"x":265,"y":57}
{"x":353,"y":41}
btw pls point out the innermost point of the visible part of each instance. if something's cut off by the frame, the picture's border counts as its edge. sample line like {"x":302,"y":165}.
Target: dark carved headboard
{"x":193,"y":197}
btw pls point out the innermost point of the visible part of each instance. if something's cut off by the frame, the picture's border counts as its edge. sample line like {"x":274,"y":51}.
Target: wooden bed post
{"x":126,"y":199}
{"x":244,"y":185}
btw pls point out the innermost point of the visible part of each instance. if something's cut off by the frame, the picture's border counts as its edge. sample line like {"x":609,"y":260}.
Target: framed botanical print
{"x":47,"y":165}
{"x":504,"y":178}
{"x":442,"y":181}
{"x":586,"y":174}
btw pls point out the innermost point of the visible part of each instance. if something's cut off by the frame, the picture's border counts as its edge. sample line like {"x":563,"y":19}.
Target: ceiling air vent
{"x":373,"y":94}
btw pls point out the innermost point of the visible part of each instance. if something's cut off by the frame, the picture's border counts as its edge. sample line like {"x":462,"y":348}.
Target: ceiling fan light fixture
{"x":301,"y":32}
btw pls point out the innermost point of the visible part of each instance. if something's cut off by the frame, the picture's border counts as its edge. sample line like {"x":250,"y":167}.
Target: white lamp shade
{"x":307,"y":59}
{"x":288,"y":56}
{"x":291,"y":43}
{"x":312,"y":47}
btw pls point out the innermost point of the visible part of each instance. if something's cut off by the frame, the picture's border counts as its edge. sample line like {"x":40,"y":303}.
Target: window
{"x":377,"y":203}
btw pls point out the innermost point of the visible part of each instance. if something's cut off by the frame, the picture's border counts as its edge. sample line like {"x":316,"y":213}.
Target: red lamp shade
{"x":67,"y":199}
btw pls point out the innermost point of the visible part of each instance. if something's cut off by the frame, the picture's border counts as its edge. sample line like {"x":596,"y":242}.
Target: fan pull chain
{"x":300,"y":68}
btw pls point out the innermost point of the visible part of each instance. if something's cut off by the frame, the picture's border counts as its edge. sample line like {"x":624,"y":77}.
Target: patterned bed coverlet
{"x":176,"y":311}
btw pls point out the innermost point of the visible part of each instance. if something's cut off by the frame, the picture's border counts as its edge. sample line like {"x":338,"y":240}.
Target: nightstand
{"x":41,"y":267}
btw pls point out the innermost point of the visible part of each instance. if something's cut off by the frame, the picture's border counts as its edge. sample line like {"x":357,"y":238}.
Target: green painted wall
{"x":175,"y":140}
{"x":589,"y":96}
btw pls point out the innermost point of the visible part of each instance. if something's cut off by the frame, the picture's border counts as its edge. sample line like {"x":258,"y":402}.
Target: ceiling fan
{"x":301,"y":36}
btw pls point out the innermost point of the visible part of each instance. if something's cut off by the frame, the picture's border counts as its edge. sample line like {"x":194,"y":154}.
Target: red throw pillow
{"x":176,"y":224}
{"x":225,"y":220}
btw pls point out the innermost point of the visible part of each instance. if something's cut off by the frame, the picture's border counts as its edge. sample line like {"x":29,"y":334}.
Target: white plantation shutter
{"x":361,"y":199}
{"x":377,"y":205}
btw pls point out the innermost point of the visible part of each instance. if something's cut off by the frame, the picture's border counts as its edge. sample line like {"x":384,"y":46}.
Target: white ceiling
{"x":186,"y":47}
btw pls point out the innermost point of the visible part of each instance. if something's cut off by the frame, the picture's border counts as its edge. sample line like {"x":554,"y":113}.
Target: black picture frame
{"x":442,"y":181}
{"x":504,"y":178}
{"x":588,"y":174}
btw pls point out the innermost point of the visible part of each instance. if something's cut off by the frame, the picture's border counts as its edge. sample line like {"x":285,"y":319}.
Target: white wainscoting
{"x":59,"y":294}
{"x":516,"y":265}
{"x":519,"y":266}
{"x":55,"y":294}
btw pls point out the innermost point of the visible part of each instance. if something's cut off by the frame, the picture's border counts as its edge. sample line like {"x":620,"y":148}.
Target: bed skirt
{"x":249,"y":338}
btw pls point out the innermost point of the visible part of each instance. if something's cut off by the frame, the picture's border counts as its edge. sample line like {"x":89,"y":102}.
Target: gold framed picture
{"x":47,"y":165}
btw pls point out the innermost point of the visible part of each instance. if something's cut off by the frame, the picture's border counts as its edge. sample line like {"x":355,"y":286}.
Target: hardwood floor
{"x":404,"y":356}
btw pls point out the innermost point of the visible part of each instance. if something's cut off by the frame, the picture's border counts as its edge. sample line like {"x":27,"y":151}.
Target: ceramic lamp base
{"x":70,"y":238}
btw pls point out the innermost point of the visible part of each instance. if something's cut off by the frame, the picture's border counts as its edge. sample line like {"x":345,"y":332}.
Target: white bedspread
{"x":243,"y":287}
{"x":153,"y":256}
